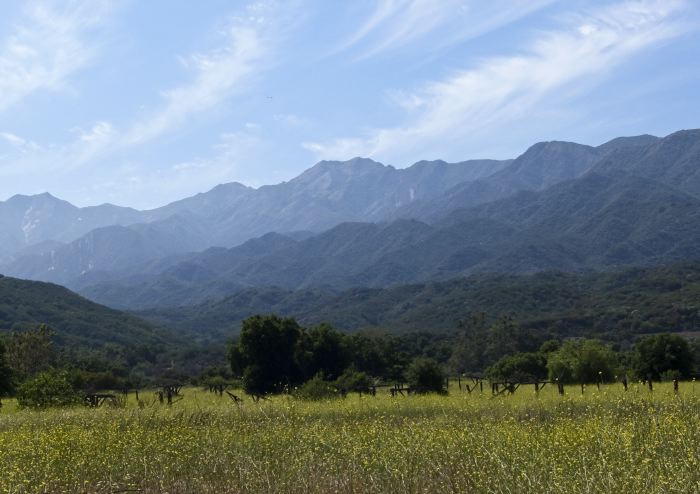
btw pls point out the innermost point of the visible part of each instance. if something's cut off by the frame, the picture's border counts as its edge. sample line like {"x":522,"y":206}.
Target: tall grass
{"x":604,"y":441}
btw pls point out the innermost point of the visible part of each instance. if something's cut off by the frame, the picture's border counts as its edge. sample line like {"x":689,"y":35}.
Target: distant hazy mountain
{"x":108,"y":238}
{"x":604,"y":219}
{"x":674,"y":160}
{"x":559,"y":205}
{"x":541,"y":166}
{"x":31,"y":220}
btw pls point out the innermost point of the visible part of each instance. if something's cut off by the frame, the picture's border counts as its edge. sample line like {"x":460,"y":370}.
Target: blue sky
{"x":142,"y":103}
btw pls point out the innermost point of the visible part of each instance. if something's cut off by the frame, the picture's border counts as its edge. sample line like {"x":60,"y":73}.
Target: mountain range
{"x":48,"y":239}
{"x":559,"y":206}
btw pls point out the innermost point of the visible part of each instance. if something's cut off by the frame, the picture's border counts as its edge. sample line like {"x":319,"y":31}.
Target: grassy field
{"x":605,"y":441}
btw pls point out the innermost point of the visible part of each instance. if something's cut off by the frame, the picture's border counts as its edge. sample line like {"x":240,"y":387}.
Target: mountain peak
{"x":356,"y":162}
{"x":627,"y":142}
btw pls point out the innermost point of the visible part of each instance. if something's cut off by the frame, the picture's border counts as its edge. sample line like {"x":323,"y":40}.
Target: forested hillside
{"x":611,"y":305}
{"x":81,"y":327}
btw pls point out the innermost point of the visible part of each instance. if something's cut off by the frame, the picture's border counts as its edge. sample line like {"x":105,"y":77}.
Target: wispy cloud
{"x":245,"y":49}
{"x":47,"y":46}
{"x":506,"y":89}
{"x":247,"y":43}
{"x":393,"y":24}
{"x":132,"y":184}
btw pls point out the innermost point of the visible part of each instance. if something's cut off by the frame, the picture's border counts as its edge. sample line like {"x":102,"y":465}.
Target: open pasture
{"x":605,"y":440}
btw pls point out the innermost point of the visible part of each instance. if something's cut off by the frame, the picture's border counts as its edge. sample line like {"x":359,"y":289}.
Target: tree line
{"x":273,"y":355}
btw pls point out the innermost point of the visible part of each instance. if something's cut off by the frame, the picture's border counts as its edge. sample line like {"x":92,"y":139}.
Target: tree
{"x":519,"y":367}
{"x":582,"y":361}
{"x":467,"y":355}
{"x":265,"y":354}
{"x":47,"y":389}
{"x":480,"y":345}
{"x":376,"y":354}
{"x":353,"y":381}
{"x":661,"y":353}
{"x":424,"y":375}
{"x":5,"y":372}
{"x":30,"y":352}
{"x":323,"y":349}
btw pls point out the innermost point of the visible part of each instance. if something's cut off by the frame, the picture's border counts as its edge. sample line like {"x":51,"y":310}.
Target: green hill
{"x":612,"y":305}
{"x":78,"y":323}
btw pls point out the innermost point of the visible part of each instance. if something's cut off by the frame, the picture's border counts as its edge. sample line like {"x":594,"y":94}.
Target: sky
{"x":142,"y":103}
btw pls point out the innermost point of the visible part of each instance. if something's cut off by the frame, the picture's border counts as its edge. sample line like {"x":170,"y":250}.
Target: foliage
{"x":86,"y":335}
{"x":273,"y":353}
{"x":316,"y":388}
{"x":353,"y":381}
{"x":266,"y":353}
{"x":582,"y":361}
{"x":47,"y":389}
{"x":6,"y":384}
{"x":30,"y":352}
{"x":661,"y":353}
{"x":519,"y":367}
{"x":610,"y":305}
{"x":480,"y":344}
{"x":323,"y":350}
{"x":424,"y":375}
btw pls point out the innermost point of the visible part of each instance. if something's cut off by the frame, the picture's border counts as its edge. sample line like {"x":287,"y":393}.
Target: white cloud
{"x":13,"y":139}
{"x":246,"y":47}
{"x":216,"y":76}
{"x":18,"y":146}
{"x":291,"y":120}
{"x":507,"y":89}
{"x":49,"y":45}
{"x":397,"y":23}
{"x":138,"y":186}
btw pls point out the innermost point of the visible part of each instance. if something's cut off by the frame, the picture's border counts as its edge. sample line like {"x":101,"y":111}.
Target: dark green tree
{"x":265,"y":354}
{"x":424,"y":375}
{"x":5,"y":372}
{"x":582,"y":361}
{"x":323,"y":350}
{"x":525,"y":366}
{"x":377,"y":355}
{"x":468,"y":353}
{"x":661,"y":353}
{"x":352,"y":380}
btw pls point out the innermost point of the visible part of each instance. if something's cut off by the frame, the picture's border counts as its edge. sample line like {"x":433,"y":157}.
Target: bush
{"x":316,"y":389}
{"x":47,"y":389}
{"x":354,"y":381}
{"x":424,"y":375}
{"x":519,"y":367}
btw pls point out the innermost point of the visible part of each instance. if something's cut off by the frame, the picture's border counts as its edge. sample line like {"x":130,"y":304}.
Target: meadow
{"x":603,"y":441}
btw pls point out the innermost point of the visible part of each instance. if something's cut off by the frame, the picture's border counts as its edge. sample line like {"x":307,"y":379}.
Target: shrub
{"x":354,"y":381}
{"x":424,"y":375}
{"x":519,"y":367}
{"x":47,"y":389}
{"x":316,"y":389}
